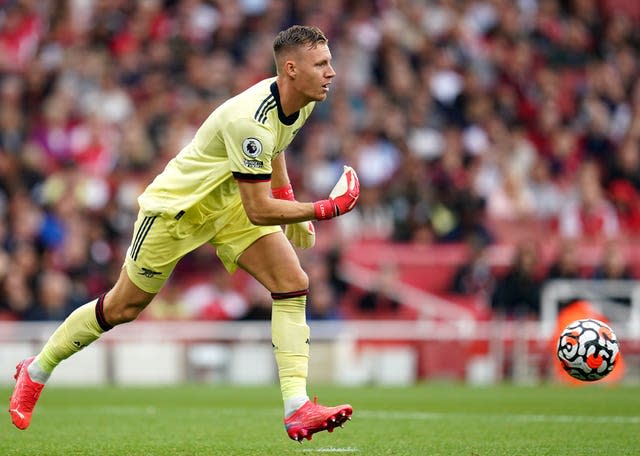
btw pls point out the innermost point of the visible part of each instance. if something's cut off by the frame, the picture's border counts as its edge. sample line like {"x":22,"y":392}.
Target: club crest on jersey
{"x":252,"y":147}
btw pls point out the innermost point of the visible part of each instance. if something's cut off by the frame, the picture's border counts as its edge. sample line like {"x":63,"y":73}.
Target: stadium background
{"x":497,"y":143}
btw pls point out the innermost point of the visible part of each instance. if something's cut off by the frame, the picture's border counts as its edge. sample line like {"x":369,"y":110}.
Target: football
{"x":588,"y":349}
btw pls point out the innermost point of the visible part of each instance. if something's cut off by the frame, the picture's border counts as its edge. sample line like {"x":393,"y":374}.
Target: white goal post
{"x":605,"y":295}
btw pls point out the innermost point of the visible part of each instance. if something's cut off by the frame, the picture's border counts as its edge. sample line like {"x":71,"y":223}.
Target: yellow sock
{"x":76,"y":332}
{"x":290,"y":338}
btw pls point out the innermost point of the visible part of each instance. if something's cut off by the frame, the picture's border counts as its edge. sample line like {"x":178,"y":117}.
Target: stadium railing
{"x":342,"y":352}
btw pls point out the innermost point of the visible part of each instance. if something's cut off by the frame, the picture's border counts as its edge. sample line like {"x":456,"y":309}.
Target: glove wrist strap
{"x":283,"y":193}
{"x":324,"y":209}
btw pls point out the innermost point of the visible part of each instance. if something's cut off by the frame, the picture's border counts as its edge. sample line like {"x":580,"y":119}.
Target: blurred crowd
{"x":460,"y":116}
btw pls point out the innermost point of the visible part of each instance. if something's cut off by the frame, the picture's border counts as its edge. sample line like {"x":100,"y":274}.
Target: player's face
{"x":314,"y":72}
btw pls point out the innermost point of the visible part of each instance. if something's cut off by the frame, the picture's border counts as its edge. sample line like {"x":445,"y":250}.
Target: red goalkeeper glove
{"x":301,"y":234}
{"x":342,"y":198}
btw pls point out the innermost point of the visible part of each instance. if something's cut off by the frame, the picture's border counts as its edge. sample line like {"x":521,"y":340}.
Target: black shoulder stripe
{"x":265,"y":111}
{"x":267,"y":101}
{"x":245,"y":177}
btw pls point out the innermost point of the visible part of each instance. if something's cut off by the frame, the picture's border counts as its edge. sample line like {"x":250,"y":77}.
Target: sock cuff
{"x":100,"y":314}
{"x":289,"y":294}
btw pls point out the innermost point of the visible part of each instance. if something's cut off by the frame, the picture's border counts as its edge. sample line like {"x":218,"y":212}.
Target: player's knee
{"x":120,"y":308}
{"x":304,"y":280}
{"x":125,"y":313}
{"x":297,"y":281}
{"x":125,"y":301}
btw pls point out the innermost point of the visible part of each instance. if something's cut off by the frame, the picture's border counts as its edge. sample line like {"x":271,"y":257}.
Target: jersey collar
{"x":290,"y":120}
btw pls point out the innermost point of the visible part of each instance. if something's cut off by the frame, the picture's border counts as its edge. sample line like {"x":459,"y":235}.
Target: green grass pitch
{"x":428,"y":419}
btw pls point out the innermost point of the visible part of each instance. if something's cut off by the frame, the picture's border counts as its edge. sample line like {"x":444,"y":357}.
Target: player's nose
{"x":330,"y":72}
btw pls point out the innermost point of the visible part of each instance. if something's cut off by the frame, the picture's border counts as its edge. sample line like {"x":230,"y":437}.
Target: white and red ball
{"x":588,"y":349}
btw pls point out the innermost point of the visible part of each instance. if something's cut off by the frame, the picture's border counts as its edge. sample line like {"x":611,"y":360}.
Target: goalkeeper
{"x":228,"y":187}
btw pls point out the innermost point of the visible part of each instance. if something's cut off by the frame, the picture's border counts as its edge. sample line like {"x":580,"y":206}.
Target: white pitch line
{"x":526,"y":418}
{"x":331,"y":450}
{"x":367,"y":414}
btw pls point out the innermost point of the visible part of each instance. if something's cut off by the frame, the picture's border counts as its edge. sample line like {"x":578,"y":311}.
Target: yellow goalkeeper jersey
{"x":236,"y":142}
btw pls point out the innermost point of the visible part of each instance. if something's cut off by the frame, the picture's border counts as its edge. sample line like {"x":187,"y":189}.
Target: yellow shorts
{"x":160,"y":241}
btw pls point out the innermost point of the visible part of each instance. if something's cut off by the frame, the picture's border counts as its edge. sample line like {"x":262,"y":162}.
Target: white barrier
{"x":343,"y":352}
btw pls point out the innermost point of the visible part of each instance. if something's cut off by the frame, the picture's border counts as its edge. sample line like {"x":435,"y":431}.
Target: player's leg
{"x":150,"y":260}
{"x":274,"y":263}
{"x":85,"y":325}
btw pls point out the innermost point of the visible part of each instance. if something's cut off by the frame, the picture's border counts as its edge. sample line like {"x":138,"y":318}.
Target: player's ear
{"x":290,"y":69}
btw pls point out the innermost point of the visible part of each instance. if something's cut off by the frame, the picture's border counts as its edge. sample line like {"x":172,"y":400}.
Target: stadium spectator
{"x":626,"y":200}
{"x":613,"y":264}
{"x":20,"y":34}
{"x":625,"y":164}
{"x":54,"y":296}
{"x":588,"y":213}
{"x":565,"y":265}
{"x":511,"y":200}
{"x":475,"y":275}
{"x":17,"y":295}
{"x":322,"y":302}
{"x":517,"y":292}
{"x":547,"y":193}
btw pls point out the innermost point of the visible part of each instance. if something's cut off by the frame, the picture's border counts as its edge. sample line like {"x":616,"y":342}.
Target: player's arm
{"x":264,"y":210}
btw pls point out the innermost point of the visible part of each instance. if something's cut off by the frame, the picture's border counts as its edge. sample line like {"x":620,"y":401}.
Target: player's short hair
{"x":298,"y":36}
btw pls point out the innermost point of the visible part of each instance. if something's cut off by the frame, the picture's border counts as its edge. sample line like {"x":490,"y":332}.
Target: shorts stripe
{"x":142,"y":233}
{"x":138,"y":235}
